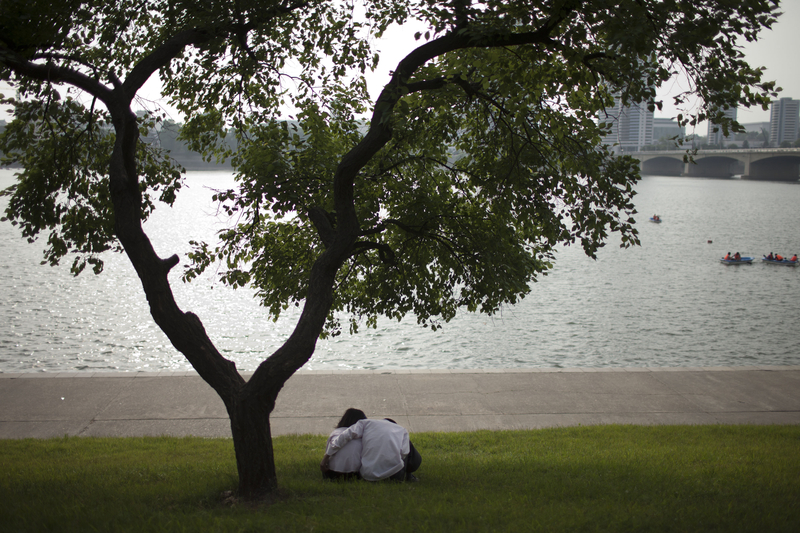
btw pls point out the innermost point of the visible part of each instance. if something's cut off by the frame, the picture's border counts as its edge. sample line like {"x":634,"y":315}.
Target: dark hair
{"x":350,"y":417}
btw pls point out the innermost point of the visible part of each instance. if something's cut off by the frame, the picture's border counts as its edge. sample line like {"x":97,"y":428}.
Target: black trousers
{"x":410,"y":464}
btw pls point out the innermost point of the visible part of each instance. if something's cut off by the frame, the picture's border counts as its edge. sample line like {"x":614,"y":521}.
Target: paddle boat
{"x":740,"y":261}
{"x":784,"y":262}
{"x":656,"y":219}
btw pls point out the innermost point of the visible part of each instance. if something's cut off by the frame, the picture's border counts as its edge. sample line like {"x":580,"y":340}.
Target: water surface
{"x":666,"y":303}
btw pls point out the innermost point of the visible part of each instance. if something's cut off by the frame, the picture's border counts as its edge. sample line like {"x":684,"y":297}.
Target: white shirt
{"x":348,"y":458}
{"x":384,"y":444}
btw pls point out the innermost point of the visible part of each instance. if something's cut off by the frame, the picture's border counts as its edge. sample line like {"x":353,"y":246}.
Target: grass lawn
{"x":602,"y":478}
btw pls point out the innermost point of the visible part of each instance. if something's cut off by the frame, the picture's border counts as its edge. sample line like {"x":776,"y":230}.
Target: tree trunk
{"x":248,"y":407}
{"x":252,"y":442}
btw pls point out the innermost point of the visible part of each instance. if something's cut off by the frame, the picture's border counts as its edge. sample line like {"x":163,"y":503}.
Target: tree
{"x":481,"y":154}
{"x":88,"y":179}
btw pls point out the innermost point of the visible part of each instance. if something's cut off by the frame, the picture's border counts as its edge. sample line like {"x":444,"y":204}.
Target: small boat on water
{"x":656,"y":219}
{"x":784,"y":262}
{"x":740,"y":261}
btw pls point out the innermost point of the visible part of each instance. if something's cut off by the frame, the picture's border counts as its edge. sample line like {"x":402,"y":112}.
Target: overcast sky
{"x":777,"y":50}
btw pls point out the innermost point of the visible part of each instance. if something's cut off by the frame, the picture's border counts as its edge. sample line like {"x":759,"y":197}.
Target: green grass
{"x":606,"y":478}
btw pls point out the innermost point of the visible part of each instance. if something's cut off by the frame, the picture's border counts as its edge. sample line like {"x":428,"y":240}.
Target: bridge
{"x":774,"y":164}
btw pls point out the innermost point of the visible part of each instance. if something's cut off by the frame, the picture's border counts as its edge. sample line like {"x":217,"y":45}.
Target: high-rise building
{"x":784,"y":119}
{"x":717,"y":137}
{"x":631,"y":126}
{"x":666,"y":129}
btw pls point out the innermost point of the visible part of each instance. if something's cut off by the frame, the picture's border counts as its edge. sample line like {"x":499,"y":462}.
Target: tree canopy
{"x":490,"y":153}
{"x":451,"y":190}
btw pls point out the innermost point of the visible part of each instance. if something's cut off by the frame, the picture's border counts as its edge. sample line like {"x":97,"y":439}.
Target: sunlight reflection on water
{"x":666,"y":303}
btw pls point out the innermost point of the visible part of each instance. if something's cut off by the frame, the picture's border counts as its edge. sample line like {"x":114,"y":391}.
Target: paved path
{"x":180,"y":403}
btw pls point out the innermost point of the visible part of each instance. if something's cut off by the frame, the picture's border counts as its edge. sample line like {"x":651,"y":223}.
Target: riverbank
{"x":42,"y":405}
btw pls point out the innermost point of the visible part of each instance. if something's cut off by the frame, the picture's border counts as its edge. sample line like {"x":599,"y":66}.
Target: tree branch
{"x":49,"y":72}
{"x":323,"y":222}
{"x":385,"y":251}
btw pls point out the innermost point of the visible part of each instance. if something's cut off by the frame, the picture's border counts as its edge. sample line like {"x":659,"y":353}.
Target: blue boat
{"x":784,"y":262}
{"x":656,"y":219}
{"x":740,"y":261}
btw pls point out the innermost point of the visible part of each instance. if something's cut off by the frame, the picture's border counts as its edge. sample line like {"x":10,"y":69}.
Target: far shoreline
{"x":399,"y":371}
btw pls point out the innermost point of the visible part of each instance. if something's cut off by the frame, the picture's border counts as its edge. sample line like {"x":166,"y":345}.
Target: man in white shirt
{"x":386,"y":451}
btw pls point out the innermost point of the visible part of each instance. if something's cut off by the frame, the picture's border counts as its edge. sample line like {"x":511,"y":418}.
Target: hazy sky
{"x":777,"y":50}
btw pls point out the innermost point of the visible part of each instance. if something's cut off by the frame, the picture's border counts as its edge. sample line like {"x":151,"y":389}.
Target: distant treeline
{"x":167,"y":138}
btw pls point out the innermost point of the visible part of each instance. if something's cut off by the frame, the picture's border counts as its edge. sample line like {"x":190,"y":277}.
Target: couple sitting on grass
{"x":361,"y":448}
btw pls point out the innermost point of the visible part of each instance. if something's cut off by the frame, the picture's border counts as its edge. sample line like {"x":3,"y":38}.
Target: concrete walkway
{"x":179,"y":403}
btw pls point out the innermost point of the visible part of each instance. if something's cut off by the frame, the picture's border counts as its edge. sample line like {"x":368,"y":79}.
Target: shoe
{"x":411,"y":477}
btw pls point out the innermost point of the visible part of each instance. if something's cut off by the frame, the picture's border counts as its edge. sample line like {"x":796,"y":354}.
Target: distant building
{"x":757,"y":134}
{"x":667,"y":128}
{"x":784,"y":119}
{"x":9,"y":92}
{"x":757,"y":127}
{"x":717,"y":137}
{"x":631,"y":126}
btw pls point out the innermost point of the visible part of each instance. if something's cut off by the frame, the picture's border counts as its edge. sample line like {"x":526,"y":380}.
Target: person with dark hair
{"x":386,"y":452}
{"x":347,"y":463}
{"x":350,"y":417}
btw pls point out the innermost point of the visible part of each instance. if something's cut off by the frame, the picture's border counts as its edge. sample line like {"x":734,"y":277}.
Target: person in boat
{"x":727,"y":256}
{"x":793,"y":258}
{"x":770,"y":257}
{"x":736,"y":256}
{"x":778,"y":257}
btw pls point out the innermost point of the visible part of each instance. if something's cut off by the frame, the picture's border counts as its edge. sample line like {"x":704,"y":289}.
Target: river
{"x":668,"y":302}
